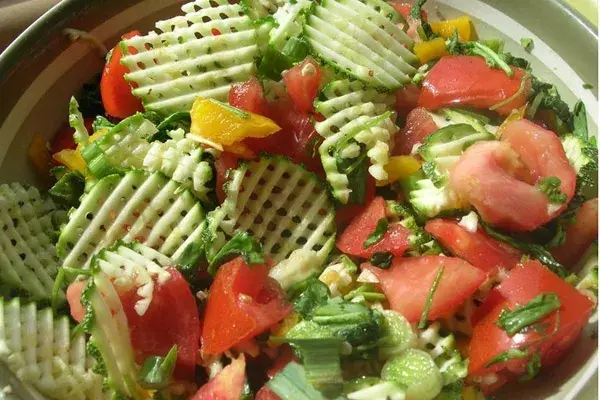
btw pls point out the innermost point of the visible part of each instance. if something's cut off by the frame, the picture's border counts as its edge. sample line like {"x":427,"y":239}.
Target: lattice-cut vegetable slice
{"x":198,"y":54}
{"x":358,"y":124}
{"x":28,"y":261}
{"x":281,"y":204}
{"x":442,"y":348}
{"x":136,"y":206}
{"x":126,"y":146}
{"x":41,"y":350}
{"x":290,"y":19}
{"x":261,"y":8}
{"x":362,"y":40}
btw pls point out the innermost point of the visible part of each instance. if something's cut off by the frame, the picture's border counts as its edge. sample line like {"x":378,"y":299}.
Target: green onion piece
{"x":99,"y":167}
{"x":240,"y":113}
{"x":156,"y":371}
{"x":378,"y":234}
{"x":512,"y":321}
{"x":291,"y":384}
{"x":429,"y":301}
{"x":580,"y":126}
{"x":533,"y":367}
{"x":68,"y":189}
{"x":510,"y":354}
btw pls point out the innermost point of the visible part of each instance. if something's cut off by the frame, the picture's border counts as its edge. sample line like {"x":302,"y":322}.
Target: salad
{"x":302,"y":200}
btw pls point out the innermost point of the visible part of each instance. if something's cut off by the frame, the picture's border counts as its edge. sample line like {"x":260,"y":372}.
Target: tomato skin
{"x":249,"y":96}
{"x":252,"y":301}
{"x":469,"y":81}
{"x":395,"y":240}
{"x":227,"y":384}
{"x":580,"y":235}
{"x":477,"y":248}
{"x":174,"y":306}
{"x":227,"y":161}
{"x":266,"y":394}
{"x":115,"y":90}
{"x":563,"y":326}
{"x":419,"y":125}
{"x":74,"y":299}
{"x":302,"y":83}
{"x":407,"y":99}
{"x":407,"y":282}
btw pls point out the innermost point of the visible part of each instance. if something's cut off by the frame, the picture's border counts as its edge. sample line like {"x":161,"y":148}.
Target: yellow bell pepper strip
{"x":73,"y":159}
{"x":515,"y":115}
{"x":430,"y":50}
{"x":283,"y":328}
{"x":39,"y":156}
{"x":462,"y":25}
{"x":400,"y":167}
{"x":240,"y":149}
{"x":223,"y":124}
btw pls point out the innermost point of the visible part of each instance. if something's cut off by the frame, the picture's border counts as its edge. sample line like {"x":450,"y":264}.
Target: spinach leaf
{"x":308,"y":295}
{"x":240,"y":244}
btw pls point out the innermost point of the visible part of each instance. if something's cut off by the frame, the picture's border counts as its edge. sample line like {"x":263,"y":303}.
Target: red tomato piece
{"x":74,"y":299}
{"x":285,"y":357}
{"x":499,"y":178}
{"x":580,"y":235}
{"x":469,"y":81}
{"x":249,"y":96}
{"x":266,"y":394}
{"x":345,"y":214}
{"x":559,"y":331}
{"x":227,"y":384}
{"x":172,"y":318}
{"x":227,"y":161}
{"x":395,"y":240}
{"x":251,"y":300}
{"x":407,"y":282}
{"x":419,"y":125}
{"x":478,"y":248}
{"x":302,"y":83}
{"x":407,"y":98}
{"x":116,"y":93}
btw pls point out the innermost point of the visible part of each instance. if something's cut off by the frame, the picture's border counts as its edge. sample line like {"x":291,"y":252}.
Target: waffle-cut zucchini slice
{"x":280,"y":203}
{"x":361,"y":40}
{"x":184,"y":58}
{"x":442,"y":349}
{"x":261,"y":8}
{"x":126,"y":146}
{"x":136,"y":206}
{"x":28,"y":261}
{"x":290,"y":19}
{"x":40,"y":349}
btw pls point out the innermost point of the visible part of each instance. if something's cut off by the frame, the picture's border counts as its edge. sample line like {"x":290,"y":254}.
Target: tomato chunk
{"x":74,"y":299}
{"x":555,"y":334}
{"x":115,"y":91}
{"x":419,"y":125}
{"x":227,"y":161}
{"x":173,"y":307}
{"x":407,"y":282}
{"x":395,"y":239}
{"x":251,"y":300}
{"x":580,"y":235}
{"x":249,"y":96}
{"x":407,"y":98}
{"x":227,"y":384}
{"x":478,"y":248}
{"x":469,"y":81}
{"x":302,"y":83}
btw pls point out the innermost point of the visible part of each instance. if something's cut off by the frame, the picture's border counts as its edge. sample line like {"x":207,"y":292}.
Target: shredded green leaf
{"x":527,"y":44}
{"x":156,"y":371}
{"x":550,"y":186}
{"x":588,"y":86}
{"x":533,"y":367}
{"x":382,"y":259}
{"x":378,"y":234}
{"x":429,"y":301}
{"x":513,"y":321}
{"x":506,"y":356}
{"x":580,"y":126}
{"x":308,"y":295}
{"x":493,"y":59}
{"x":240,"y":244}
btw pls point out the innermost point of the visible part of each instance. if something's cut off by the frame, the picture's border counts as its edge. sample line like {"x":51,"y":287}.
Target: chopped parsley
{"x":376,"y":236}
{"x":429,"y":301}
{"x":550,"y":186}
{"x":513,"y":321}
{"x":527,"y":44}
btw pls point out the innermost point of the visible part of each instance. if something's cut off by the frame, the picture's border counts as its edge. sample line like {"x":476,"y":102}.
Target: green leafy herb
{"x":580,"y":126}
{"x":382,"y":259}
{"x":368,"y":291}
{"x":416,"y":14}
{"x":493,"y":59}
{"x":588,"y":86}
{"x":68,"y":189}
{"x":429,"y":301}
{"x":527,"y":44}
{"x":534,"y":250}
{"x":356,"y":170}
{"x":189,"y":260}
{"x":240,"y":113}
{"x":550,"y":186}
{"x":551,"y":100}
{"x":308,"y":295}
{"x":273,"y":63}
{"x":240,"y":244}
{"x":292,"y":383}
{"x":296,"y":49}
{"x":512,"y":321}
{"x":533,"y":367}
{"x":178,"y":120}
{"x":378,"y":234}
{"x":510,"y":354}
{"x":156,"y":371}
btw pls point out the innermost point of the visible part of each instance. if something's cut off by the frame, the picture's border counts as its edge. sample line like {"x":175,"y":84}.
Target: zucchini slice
{"x":41,"y":350}
{"x":184,"y":58}
{"x":361,"y":39}
{"x":442,"y":348}
{"x":28,"y":261}
{"x":136,"y":206}
{"x":280,"y":203}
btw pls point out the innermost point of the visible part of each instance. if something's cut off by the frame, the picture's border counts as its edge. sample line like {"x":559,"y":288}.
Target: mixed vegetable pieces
{"x":343,"y":199}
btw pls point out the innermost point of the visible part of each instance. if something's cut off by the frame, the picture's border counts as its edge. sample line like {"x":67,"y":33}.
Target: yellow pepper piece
{"x":39,"y":156}
{"x":430,"y":50}
{"x":515,"y":115}
{"x":240,"y":149}
{"x":283,"y":328}
{"x":462,"y":25}
{"x":226,"y":125}
{"x":400,"y":167}
{"x":72,"y":159}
